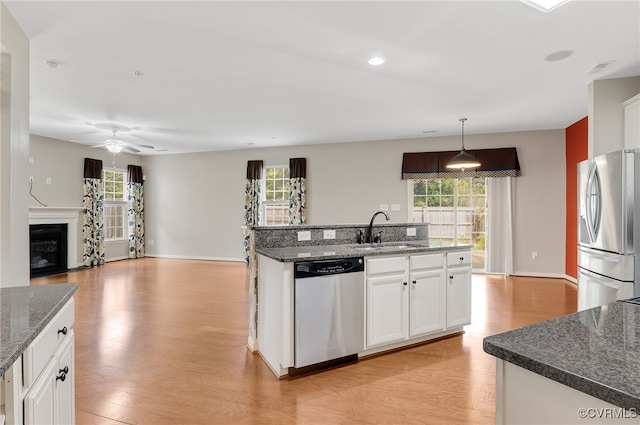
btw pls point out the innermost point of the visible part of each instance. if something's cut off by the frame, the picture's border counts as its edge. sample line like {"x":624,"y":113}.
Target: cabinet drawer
{"x":386,"y":265}
{"x":462,"y":258}
{"x":430,"y":261}
{"x":38,"y":353}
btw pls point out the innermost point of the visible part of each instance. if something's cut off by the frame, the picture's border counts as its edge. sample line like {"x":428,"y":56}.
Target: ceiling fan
{"x":114,"y":144}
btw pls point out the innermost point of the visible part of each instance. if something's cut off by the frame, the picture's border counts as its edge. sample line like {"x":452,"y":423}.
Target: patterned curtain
{"x":298,"y":191}
{"x":252,"y":196}
{"x":136,"y":211}
{"x":93,"y":216}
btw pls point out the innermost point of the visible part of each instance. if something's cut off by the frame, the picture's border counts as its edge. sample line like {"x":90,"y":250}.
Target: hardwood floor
{"x":162,"y":341}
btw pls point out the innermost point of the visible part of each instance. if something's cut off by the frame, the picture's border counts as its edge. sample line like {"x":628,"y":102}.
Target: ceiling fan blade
{"x":129,"y":148}
{"x":101,"y":145}
{"x":144,"y":146}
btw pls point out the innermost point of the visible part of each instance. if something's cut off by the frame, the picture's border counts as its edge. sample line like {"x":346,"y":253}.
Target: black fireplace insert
{"x":48,"y":249}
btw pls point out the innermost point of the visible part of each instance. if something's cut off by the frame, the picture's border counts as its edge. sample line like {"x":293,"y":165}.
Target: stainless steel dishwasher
{"x":328,"y":310}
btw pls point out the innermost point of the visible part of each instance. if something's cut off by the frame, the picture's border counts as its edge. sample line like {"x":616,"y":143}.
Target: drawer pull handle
{"x":63,"y":331}
{"x":65,"y":370}
{"x":62,"y":377}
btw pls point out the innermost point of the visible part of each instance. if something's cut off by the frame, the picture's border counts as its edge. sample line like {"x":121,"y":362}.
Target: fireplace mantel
{"x":61,"y":215}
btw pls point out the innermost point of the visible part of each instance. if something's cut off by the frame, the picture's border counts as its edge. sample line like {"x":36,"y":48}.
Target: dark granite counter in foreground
{"x":596,"y":351}
{"x":24,"y":312}
{"x":329,"y":252}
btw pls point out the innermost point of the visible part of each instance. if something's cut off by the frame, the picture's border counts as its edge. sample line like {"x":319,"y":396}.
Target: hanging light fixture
{"x":114,"y":146}
{"x":463,"y":160}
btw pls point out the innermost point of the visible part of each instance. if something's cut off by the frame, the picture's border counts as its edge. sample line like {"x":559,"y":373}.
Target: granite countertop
{"x":24,"y":312}
{"x":596,"y":351}
{"x":330,"y":252}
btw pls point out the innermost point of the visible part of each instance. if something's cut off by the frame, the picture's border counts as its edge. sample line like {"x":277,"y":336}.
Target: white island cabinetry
{"x":458,"y":289}
{"x":407,"y":298}
{"x":39,"y":388}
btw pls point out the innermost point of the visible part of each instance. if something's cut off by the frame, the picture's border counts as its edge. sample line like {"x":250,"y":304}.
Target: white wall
{"x":14,"y":150}
{"x":63,"y":162}
{"x":194,"y":202}
{"x":606,"y":113}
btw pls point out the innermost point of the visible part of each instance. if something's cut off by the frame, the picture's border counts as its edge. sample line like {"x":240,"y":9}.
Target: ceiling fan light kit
{"x":463,"y":160}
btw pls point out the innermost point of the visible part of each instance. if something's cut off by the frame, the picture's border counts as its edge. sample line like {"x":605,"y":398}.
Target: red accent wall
{"x":577,"y":149}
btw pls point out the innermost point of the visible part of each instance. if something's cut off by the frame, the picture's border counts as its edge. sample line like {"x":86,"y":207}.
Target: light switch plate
{"x":330,"y":234}
{"x":411,"y":231}
{"x":395,"y":207}
{"x":384,"y":207}
{"x":304,"y":235}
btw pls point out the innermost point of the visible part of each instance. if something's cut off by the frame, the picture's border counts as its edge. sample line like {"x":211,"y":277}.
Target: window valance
{"x":92,"y":168}
{"x":254,"y":170}
{"x":500,"y":162}
{"x":134,"y":174}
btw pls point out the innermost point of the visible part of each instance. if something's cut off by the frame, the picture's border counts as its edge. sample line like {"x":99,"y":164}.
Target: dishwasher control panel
{"x":328,"y":267}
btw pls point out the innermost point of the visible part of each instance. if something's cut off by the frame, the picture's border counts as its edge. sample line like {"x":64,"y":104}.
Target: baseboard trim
{"x":188,"y":257}
{"x":535,"y":274}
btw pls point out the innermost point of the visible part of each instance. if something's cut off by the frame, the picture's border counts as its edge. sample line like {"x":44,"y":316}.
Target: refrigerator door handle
{"x":593,"y":203}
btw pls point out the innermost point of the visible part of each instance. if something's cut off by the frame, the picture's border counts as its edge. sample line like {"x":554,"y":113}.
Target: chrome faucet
{"x":370,"y":234}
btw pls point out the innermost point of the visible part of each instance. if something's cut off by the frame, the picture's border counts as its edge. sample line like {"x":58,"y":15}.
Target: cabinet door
{"x":65,"y":389}
{"x":40,"y":401}
{"x":387,"y":309}
{"x":458,"y":297}
{"x":426,"y":302}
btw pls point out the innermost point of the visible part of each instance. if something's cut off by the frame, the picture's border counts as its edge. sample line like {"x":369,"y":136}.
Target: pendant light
{"x":463,"y":160}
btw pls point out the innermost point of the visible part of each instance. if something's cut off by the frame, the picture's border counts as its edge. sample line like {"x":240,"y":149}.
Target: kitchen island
{"x":36,"y":354}
{"x":576,"y":369}
{"x":413,"y":291}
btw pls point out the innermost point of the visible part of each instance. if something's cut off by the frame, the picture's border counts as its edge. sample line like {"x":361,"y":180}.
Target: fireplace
{"x":48,"y":249}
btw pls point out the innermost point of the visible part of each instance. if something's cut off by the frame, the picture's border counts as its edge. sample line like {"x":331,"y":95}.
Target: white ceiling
{"x":237,"y":74}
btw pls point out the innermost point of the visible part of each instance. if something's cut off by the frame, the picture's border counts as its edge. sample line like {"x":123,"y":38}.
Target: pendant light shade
{"x":463,"y":160}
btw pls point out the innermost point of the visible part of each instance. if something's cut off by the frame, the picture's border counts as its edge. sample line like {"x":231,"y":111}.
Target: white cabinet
{"x":51,"y":399}
{"x":387,"y":300}
{"x":632,"y":123}
{"x":405,"y":297}
{"x":458,"y":289}
{"x":427,"y":299}
{"x":39,"y":388}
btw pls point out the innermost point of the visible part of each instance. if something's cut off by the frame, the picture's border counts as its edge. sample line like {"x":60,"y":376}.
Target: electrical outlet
{"x":411,"y":231}
{"x":304,"y":236}
{"x":330,"y":234}
{"x":534,"y":255}
{"x":48,"y":180}
{"x":151,"y":242}
{"x":31,"y":160}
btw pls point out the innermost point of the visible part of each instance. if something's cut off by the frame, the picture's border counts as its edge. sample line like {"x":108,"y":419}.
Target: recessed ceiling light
{"x":377,"y":60}
{"x":559,"y":55}
{"x":545,"y":5}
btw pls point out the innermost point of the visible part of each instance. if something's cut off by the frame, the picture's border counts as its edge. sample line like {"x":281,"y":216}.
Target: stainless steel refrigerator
{"x":608,"y":208}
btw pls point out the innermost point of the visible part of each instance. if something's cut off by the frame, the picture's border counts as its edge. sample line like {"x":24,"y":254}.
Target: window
{"x":456,"y":210}
{"x":115,"y":204}
{"x":275,"y":202}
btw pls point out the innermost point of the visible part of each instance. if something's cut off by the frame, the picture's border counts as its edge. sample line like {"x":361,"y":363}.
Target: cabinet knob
{"x":63,"y":331}
{"x":404,"y":283}
{"x":461,"y":258}
{"x":65,"y":370}
{"x":62,"y":377}
{"x":451,"y":277}
{"x":414,"y":282}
